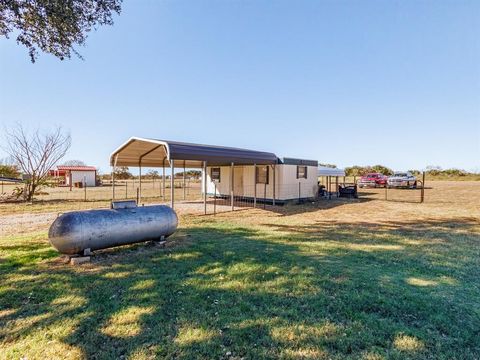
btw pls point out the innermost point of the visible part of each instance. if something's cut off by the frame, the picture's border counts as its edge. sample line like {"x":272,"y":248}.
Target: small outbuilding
{"x":71,"y":175}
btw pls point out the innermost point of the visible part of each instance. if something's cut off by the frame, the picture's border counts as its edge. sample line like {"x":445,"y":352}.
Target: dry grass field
{"x":359,"y":279}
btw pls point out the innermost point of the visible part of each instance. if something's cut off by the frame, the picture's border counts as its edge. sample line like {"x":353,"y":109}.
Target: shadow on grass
{"x":332,"y":290}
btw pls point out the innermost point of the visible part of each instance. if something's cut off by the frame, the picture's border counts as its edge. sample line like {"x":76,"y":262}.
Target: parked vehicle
{"x":402,"y":179}
{"x":372,"y":180}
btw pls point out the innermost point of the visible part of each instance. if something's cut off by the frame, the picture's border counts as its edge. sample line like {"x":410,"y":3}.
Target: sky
{"x":342,"y":82}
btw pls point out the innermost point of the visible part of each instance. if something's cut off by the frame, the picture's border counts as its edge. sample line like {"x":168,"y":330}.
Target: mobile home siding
{"x":286,"y":183}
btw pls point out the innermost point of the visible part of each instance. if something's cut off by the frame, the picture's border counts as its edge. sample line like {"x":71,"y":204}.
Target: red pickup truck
{"x":373,"y":180}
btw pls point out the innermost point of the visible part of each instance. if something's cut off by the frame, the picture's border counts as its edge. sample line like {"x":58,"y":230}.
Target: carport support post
{"x":140,"y":181}
{"x":205,"y":187}
{"x":184,"y":190}
{"x":422,"y":192}
{"x":163,"y":180}
{"x":254,"y":185}
{"x":172,"y":182}
{"x":113,"y":183}
{"x":273,"y":191}
{"x":113,"y":177}
{"x":231,"y":185}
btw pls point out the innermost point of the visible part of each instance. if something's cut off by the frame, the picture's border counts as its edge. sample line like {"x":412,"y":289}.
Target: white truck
{"x":402,"y":179}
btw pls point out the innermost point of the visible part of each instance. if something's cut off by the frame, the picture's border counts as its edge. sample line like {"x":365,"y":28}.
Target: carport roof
{"x":156,"y":153}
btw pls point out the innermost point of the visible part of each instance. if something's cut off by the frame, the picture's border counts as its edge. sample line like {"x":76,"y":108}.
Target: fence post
{"x":386,"y":192}
{"x":299,"y":191}
{"x":273,"y":190}
{"x":232,"y":171}
{"x":85,"y":187}
{"x":336,"y":185}
{"x":184,"y":178}
{"x":163,"y":180}
{"x":137,"y":196}
{"x":214,"y":198}
{"x":254,"y":185}
{"x":422,"y":193}
{"x":265,"y":196}
{"x":204,"y":187}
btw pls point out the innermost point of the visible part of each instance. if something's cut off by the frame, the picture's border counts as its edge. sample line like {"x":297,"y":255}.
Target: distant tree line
{"x":9,"y":171}
{"x":431,"y":171}
{"x":362,"y":170}
{"x":123,"y":173}
{"x":333,"y":166}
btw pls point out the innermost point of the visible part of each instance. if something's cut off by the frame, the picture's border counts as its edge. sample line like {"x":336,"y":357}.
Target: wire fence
{"x":378,"y":192}
{"x":188,"y":196}
{"x":158,"y":191}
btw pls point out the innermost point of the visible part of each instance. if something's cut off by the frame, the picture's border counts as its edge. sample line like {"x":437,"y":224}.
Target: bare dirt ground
{"x":444,"y":201}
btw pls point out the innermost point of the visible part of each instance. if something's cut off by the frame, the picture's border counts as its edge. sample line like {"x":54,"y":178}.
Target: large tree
{"x":54,"y":26}
{"x":35,"y":153}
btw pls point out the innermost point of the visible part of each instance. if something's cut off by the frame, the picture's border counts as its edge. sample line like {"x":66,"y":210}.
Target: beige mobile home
{"x":288,"y":179}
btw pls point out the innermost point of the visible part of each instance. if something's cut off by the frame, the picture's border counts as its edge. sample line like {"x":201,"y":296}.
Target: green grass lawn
{"x":276,"y":289}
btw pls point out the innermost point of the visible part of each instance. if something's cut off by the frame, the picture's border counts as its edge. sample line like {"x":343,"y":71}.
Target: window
{"x":301,"y":172}
{"x":261,"y":174}
{"x":215,"y":174}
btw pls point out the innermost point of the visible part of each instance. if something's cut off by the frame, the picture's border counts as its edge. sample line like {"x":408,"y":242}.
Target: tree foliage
{"x":357,"y":170}
{"x":431,"y":171}
{"x":122,"y":173}
{"x":35,"y":154}
{"x":54,"y":26}
{"x":382,"y":169}
{"x":10,"y":171}
{"x":74,"y":163}
{"x":189,"y":173}
{"x":332,"y":166}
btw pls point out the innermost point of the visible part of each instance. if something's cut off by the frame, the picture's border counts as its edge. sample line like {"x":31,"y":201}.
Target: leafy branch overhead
{"x":54,"y":26}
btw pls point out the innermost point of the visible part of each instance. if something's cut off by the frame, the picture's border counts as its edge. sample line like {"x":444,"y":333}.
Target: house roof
{"x":293,"y":161}
{"x":156,"y":153}
{"x":76,"y":168}
{"x":10,"y":179}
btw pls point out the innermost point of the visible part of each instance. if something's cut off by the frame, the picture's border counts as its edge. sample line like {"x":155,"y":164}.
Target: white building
{"x":76,"y":174}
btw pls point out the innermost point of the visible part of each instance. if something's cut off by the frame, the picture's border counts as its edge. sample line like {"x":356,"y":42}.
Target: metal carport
{"x":162,"y":153}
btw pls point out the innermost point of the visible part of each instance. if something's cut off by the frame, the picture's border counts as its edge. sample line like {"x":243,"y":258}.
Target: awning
{"x":156,"y":153}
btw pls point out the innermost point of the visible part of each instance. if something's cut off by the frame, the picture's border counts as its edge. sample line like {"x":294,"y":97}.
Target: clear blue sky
{"x":344,"y":82}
